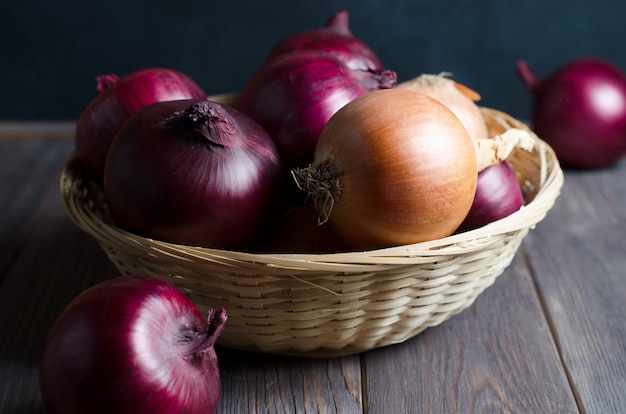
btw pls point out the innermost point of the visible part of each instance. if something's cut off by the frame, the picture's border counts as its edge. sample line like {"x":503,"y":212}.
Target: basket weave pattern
{"x":323,"y":305}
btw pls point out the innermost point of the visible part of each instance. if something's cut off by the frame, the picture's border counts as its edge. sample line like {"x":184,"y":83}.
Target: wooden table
{"x":548,"y":337}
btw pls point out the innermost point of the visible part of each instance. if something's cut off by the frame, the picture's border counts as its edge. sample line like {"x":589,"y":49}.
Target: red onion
{"x":498,"y":195}
{"x":117,"y":101}
{"x":296,"y":230}
{"x":580,"y":111}
{"x":334,"y":38}
{"x":193,"y":172}
{"x":294,"y":95}
{"x":132,"y":344}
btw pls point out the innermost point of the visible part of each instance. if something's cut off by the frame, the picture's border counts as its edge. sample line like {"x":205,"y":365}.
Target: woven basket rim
{"x":551,"y":180}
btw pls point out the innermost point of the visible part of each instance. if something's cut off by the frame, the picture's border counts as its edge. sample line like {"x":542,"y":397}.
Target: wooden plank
{"x":496,"y":356}
{"x":579,"y":258}
{"x":37,"y":130}
{"x":254,"y":383}
{"x":29,"y":170}
{"x":55,"y":263}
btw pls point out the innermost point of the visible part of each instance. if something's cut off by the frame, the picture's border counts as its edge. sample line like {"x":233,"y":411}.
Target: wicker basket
{"x":324,"y":305}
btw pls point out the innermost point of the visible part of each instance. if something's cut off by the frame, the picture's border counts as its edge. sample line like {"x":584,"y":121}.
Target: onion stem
{"x":207,"y":124}
{"x":527,"y":75}
{"x":217,"y":321}
{"x":201,"y":343}
{"x":492,"y":151}
{"x":104,"y":81}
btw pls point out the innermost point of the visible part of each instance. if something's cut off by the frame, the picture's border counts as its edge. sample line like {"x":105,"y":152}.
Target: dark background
{"x":52,"y":51}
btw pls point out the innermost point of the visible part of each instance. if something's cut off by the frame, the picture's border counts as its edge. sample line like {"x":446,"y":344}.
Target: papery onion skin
{"x":132,"y":344}
{"x":498,"y":195}
{"x":205,"y":182}
{"x":402,"y":169}
{"x":580,"y":110}
{"x":295,"y":94}
{"x":334,"y":38}
{"x":116,"y":102}
{"x":459,"y":98}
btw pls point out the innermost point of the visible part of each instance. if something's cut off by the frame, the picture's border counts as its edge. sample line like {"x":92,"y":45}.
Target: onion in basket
{"x":392,"y":167}
{"x":459,"y":98}
{"x":293,"y":96}
{"x":498,"y":195}
{"x":336,"y":39}
{"x":193,"y":172}
{"x":296,"y":230}
{"x":118,"y":99}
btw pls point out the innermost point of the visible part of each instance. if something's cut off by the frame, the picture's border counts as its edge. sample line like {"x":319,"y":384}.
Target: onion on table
{"x":117,"y":100}
{"x":132,"y":344}
{"x":580,"y":110}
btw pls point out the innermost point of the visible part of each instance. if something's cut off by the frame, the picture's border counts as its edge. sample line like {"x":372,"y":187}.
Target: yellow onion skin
{"x":405,"y":169}
{"x":459,"y":98}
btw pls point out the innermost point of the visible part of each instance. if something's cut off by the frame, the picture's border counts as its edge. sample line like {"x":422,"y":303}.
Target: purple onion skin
{"x":498,"y":195}
{"x":117,"y":101}
{"x":334,"y":38}
{"x":210,"y":181}
{"x":132,"y":344}
{"x":294,"y":95}
{"x":580,"y":110}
